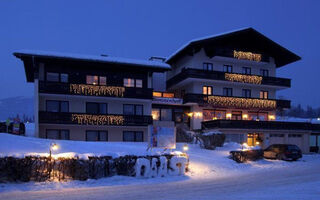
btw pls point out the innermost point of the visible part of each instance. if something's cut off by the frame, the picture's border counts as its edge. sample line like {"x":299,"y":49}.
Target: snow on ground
{"x":204,"y":165}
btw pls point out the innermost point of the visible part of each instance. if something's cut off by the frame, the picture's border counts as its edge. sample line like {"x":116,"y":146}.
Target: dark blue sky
{"x":140,"y":29}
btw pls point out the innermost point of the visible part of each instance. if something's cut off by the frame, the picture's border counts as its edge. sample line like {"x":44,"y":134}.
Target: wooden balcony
{"x":94,"y":90}
{"x":236,"y":102}
{"x":97,"y":120}
{"x":223,"y":76}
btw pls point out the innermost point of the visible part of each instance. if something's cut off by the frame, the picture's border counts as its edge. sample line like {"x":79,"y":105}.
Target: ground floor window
{"x":94,"y":135}
{"x":238,"y":138}
{"x":211,"y":114}
{"x":57,"y":134}
{"x":261,"y":116}
{"x":276,"y":135}
{"x":236,"y":115}
{"x":133,"y":136}
{"x":294,"y":135}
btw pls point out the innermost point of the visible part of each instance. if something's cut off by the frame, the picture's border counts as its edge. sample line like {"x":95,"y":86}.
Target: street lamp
{"x":53,"y":147}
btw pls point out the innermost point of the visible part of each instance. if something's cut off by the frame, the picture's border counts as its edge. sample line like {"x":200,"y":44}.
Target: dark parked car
{"x":283,"y":152}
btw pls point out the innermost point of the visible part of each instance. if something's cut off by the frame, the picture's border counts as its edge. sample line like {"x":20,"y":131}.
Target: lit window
{"x":138,"y":83}
{"x":207,"y":90}
{"x":92,"y":80}
{"x":157,"y":94}
{"x":168,"y":95}
{"x":156,"y":114}
{"x":263,"y":94}
{"x":128,"y":82}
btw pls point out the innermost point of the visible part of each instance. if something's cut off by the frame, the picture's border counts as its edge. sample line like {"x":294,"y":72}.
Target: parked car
{"x":282,"y":152}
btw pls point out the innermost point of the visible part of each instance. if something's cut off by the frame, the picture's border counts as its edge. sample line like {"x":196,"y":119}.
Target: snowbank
{"x":21,"y":146}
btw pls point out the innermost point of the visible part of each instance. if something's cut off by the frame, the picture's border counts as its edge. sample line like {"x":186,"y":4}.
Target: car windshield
{"x":293,"y":147}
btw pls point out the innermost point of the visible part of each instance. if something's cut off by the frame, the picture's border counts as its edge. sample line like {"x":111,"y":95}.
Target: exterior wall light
{"x":198,"y":114}
{"x":272,"y":117}
{"x":53,"y":147}
{"x":190,"y":114}
{"x":245,"y":116}
{"x":185,"y":147}
{"x":228,"y":115}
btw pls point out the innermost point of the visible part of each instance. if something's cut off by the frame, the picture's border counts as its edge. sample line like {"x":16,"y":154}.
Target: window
{"x":276,"y":135}
{"x":263,"y":94}
{"x":261,"y":116}
{"x":53,"y":77}
{"x":155,"y":114}
{"x":132,"y":109}
{"x":138,"y":83}
{"x":227,"y":68}
{"x":57,"y":106}
{"x":57,"y":77}
{"x":236,"y":115}
{"x":207,"y":90}
{"x":64,"y":78}
{"x":264,"y":72}
{"x":294,"y":135}
{"x":246,"y":70}
{"x":227,"y":92}
{"x":166,"y":114}
{"x":208,"y":66}
{"x":246,"y":93}
{"x":96,"y":108}
{"x":128,"y":82}
{"x":57,"y":134}
{"x":132,"y":136}
{"x":96,"y":136}
{"x":96,"y":80}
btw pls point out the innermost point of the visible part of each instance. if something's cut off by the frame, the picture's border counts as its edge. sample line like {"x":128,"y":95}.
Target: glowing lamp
{"x":198,"y":114}
{"x":53,"y":147}
{"x":190,"y":114}
{"x":318,"y":118}
{"x":257,"y":143}
{"x":228,"y":115}
{"x":185,"y":148}
{"x":214,"y":118}
{"x":245,"y":116}
{"x":272,"y":117}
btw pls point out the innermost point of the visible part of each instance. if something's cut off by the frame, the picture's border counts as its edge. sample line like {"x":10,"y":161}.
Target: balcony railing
{"x":90,"y":119}
{"x":94,"y":90}
{"x":223,"y":76}
{"x":236,"y":102}
{"x":250,"y":124}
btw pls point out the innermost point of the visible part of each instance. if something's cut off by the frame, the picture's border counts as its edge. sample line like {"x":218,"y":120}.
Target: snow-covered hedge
{"x":33,"y":168}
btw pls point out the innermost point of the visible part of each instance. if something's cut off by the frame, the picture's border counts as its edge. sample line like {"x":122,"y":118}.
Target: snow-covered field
{"x":208,"y":169}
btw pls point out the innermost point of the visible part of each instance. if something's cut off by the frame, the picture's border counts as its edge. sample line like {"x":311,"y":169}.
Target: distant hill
{"x":10,"y":107}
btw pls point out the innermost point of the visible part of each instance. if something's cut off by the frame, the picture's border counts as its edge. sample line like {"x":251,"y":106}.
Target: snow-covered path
{"x":291,"y":183}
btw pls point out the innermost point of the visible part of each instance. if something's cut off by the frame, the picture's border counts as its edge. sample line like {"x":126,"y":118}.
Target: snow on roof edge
{"x":203,"y":38}
{"x":108,"y":59}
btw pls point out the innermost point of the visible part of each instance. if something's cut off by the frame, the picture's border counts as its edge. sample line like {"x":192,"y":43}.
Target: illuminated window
{"x":263,"y":94}
{"x":155,"y":114}
{"x":207,"y":90}
{"x":128,"y":82}
{"x":92,"y":80}
{"x":157,"y":94}
{"x":168,"y":95}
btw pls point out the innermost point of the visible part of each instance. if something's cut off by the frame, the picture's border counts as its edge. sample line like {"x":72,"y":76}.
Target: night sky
{"x":140,"y":29}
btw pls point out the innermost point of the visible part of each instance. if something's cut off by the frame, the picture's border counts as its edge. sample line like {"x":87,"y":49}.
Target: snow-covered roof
{"x":94,"y":58}
{"x":202,"y":38}
{"x":244,"y":38}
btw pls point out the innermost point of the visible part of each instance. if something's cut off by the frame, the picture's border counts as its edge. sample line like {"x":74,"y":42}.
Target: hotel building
{"x":224,"y":83}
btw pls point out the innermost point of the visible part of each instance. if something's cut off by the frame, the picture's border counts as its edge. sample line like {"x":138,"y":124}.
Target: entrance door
{"x":254,"y":139}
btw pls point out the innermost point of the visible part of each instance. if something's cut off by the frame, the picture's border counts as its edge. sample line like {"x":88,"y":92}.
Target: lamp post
{"x":53,"y":147}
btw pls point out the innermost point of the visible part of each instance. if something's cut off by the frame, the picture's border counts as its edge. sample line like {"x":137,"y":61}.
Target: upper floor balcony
{"x":225,"y":76}
{"x":95,"y":90}
{"x":236,"y":102}
{"x":93,"y":119}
